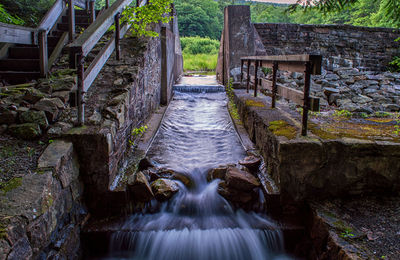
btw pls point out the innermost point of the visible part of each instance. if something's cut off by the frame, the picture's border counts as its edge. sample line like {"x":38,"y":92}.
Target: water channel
{"x":196,"y":135}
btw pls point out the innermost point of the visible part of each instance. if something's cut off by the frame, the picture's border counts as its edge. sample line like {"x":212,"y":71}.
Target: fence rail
{"x":84,"y":44}
{"x":38,"y":36}
{"x":307,"y":64}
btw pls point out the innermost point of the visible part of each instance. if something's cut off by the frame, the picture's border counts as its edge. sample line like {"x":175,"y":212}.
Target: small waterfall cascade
{"x":197,"y":223}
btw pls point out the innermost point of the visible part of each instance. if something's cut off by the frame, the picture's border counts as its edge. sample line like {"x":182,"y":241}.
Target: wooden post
{"x":44,"y":58}
{"x":306,"y":106}
{"x":81,"y":87}
{"x":248,"y":75}
{"x":241,"y":71}
{"x":274,"y":87}
{"x":71,"y":21}
{"x":255,"y":78}
{"x":137,"y":3}
{"x":117,"y":36}
{"x":92,"y":11}
{"x":107,"y":4}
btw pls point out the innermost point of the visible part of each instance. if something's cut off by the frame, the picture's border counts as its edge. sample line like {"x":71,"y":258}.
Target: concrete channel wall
{"x":315,"y":168}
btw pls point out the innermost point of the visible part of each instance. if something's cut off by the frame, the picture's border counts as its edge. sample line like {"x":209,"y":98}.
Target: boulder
{"x":233,"y":195}
{"x":145,"y":163}
{"x":217,"y":173}
{"x":8,"y":116}
{"x":164,"y":189}
{"x":182,"y":178}
{"x":50,"y":106}
{"x":27,"y":131}
{"x":139,"y":186}
{"x":251,"y":162}
{"x":38,"y":117}
{"x":33,"y":95}
{"x":240,"y":180}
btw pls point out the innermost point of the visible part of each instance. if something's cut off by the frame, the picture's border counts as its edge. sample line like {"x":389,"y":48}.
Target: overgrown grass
{"x":199,"y":62}
{"x":199,"y":54}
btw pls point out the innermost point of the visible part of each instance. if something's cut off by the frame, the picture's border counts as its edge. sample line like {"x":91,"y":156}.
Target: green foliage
{"x":28,"y":11}
{"x":5,"y":17}
{"x":136,"y":133}
{"x":199,"y":62}
{"x":202,"y":18}
{"x":198,"y":45}
{"x":347,"y":233}
{"x":142,"y":17}
{"x":342,"y":113}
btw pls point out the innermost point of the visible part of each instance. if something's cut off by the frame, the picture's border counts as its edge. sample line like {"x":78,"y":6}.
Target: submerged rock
{"x":251,"y":162}
{"x":240,"y":180}
{"x":234,"y":195}
{"x":182,"y":178}
{"x":140,"y":187}
{"x":164,"y":189}
{"x":217,"y":173}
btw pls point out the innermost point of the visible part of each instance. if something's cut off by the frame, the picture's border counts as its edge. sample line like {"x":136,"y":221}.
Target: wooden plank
{"x":89,"y":38}
{"x":290,"y":62}
{"x":80,"y":3}
{"x":291,"y":94}
{"x":18,"y":34}
{"x":52,"y":16}
{"x":58,"y":49}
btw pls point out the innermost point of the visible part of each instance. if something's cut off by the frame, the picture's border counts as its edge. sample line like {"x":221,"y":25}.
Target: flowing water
{"x":197,"y":223}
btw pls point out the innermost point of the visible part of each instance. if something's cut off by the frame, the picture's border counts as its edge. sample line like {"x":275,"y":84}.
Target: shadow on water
{"x":197,"y":223}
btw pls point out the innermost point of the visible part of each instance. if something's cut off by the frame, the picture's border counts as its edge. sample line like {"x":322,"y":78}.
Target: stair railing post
{"x":81,"y":89}
{"x":107,"y":4}
{"x":248,"y":76}
{"x":44,"y":58}
{"x":274,"y":86}
{"x":71,"y":21}
{"x":241,"y":71}
{"x":117,"y":35}
{"x":92,"y":11}
{"x":256,"y":78}
{"x":306,"y":106}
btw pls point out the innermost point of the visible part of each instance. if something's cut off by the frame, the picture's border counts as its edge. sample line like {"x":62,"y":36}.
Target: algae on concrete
{"x":282,"y":128}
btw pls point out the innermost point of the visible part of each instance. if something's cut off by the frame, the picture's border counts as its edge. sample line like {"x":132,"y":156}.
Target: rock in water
{"x":182,"y":178}
{"x":240,"y":180}
{"x":217,"y":173}
{"x":164,"y":189}
{"x":251,"y":162}
{"x":145,"y":163}
{"x":140,"y":187}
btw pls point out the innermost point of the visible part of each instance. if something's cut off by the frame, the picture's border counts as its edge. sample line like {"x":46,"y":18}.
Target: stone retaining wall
{"x":364,"y":48}
{"x":312,"y":167}
{"x":42,"y":215}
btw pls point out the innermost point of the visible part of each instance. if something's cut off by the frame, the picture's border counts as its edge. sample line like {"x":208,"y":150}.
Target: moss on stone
{"x":253,"y":103}
{"x":11,"y":185}
{"x":282,"y":128}
{"x":321,"y":133}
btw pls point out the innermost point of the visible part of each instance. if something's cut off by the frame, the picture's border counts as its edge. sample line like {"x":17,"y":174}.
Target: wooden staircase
{"x":22,"y":64}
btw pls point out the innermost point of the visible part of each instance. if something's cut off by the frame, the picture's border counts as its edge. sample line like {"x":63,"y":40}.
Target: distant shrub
{"x":5,"y":17}
{"x":198,"y":45}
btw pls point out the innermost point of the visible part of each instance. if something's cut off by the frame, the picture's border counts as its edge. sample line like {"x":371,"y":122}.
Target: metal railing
{"x":83,"y":45}
{"x":307,"y":64}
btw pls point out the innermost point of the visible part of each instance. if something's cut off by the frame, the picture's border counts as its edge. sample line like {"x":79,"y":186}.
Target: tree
{"x":199,"y":18}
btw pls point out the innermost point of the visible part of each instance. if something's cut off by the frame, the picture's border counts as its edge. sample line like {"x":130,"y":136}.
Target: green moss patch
{"x":253,"y":103}
{"x":11,"y":184}
{"x":282,"y":128}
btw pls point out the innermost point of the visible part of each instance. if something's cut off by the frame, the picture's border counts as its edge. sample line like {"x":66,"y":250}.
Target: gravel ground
{"x":18,"y":158}
{"x":377,"y":219}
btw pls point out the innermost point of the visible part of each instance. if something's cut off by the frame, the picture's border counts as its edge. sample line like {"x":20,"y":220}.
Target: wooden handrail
{"x":18,"y":34}
{"x":52,"y":16}
{"x":305,"y":63}
{"x":89,"y":38}
{"x":81,"y":3}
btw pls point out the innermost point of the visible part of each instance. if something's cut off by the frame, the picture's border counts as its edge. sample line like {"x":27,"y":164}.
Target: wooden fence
{"x":307,"y":64}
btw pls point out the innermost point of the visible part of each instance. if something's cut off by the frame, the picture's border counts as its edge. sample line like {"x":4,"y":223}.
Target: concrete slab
{"x":199,"y":80}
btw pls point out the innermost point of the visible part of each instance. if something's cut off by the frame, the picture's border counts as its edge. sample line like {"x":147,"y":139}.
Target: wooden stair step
{"x":65,"y":27}
{"x":78,"y":19}
{"x":19,"y":65}
{"x":52,"y":40}
{"x":18,"y":77}
{"x":23,"y":53}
